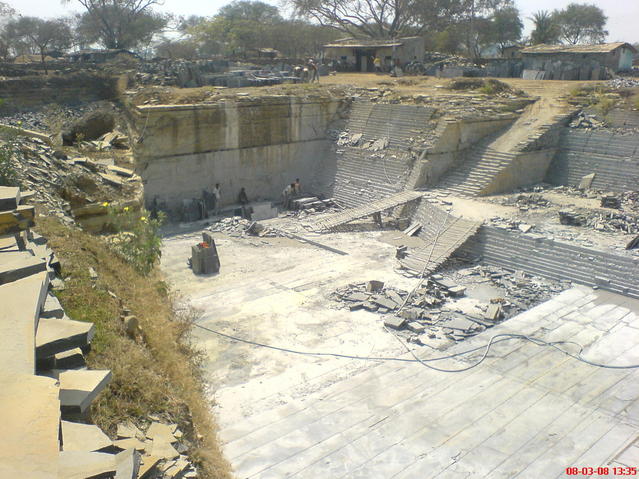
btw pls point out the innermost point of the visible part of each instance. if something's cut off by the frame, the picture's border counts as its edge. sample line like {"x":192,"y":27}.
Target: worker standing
{"x":217,"y":194}
{"x":378,"y":64}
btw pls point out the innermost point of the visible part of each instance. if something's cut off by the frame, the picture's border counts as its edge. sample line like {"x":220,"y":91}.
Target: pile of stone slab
{"x":45,"y":388}
{"x":601,"y":221}
{"x":311,"y":203}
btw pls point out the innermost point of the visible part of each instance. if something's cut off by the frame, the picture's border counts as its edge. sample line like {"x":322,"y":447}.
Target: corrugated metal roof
{"x":368,"y":42}
{"x":576,"y":49}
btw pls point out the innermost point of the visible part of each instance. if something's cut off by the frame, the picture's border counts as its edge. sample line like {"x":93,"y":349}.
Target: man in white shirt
{"x":216,"y":199}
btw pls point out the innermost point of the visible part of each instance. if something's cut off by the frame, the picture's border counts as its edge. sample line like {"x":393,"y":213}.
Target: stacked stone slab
{"x":36,"y":389}
{"x":555,"y":260}
{"x":614,"y":159}
{"x":368,"y":171}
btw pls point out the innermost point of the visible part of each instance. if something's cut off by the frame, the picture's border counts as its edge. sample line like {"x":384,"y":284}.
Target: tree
{"x":250,"y":10}
{"x":580,"y":23}
{"x":546,"y":28}
{"x":506,"y":27}
{"x":372,"y":18}
{"x":41,"y":35}
{"x":120,"y":23}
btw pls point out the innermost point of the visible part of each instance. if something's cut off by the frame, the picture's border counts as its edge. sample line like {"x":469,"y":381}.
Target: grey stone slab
{"x":83,"y":437}
{"x":79,"y":388}
{"x":385,"y":303}
{"x":58,"y":335}
{"x":71,"y":359}
{"x":21,"y":301}
{"x":18,"y":265}
{"x":83,"y":465}
{"x":162,"y":432}
{"x":394,"y":322}
{"x":29,"y":444}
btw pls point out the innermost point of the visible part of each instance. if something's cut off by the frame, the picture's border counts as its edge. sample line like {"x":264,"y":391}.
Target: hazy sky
{"x":623,"y":15}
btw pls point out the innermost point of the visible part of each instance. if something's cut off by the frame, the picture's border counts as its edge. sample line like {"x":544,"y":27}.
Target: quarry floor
{"x":275,"y":291}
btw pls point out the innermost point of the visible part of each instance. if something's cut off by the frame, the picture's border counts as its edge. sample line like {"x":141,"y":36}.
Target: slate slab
{"x":79,"y":388}
{"x":83,"y":437}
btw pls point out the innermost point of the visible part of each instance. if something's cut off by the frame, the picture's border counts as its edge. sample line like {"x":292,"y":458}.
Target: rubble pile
{"x":526,"y":202}
{"x":601,"y":221}
{"x":45,"y":120}
{"x":587,"y":121}
{"x":239,"y":227}
{"x":619,"y":83}
{"x":161,"y":448}
{"x":435,"y":312}
{"x":63,"y":184}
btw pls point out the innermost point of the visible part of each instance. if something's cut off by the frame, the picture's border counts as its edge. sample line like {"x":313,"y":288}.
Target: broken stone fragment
{"x":416,"y":327}
{"x":83,"y":437}
{"x":129,"y":430}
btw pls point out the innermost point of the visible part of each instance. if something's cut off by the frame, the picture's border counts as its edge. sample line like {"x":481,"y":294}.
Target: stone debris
{"x":601,"y":221}
{"x":440,"y":310}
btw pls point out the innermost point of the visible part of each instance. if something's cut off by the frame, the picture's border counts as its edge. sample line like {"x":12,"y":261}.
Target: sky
{"x":623,"y":15}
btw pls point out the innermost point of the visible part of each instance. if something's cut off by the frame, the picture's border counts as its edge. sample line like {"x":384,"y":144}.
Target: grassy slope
{"x":156,"y":376}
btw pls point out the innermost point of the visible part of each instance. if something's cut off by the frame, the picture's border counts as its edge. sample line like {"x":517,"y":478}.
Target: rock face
{"x":90,"y":127}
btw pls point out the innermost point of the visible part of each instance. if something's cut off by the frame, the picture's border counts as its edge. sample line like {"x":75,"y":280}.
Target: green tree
{"x":119,"y":23}
{"x":41,"y":35}
{"x":546,"y":29}
{"x":581,"y":23}
{"x":506,"y":27}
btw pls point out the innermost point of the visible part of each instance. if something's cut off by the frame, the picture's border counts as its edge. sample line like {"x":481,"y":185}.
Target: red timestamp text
{"x":601,"y":471}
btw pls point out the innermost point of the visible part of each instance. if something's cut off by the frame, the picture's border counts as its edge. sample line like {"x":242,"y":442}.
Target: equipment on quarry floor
{"x":204,"y":258}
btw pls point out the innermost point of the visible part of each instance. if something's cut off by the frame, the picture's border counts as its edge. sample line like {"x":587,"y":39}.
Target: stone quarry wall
{"x":454,"y":139}
{"x":32,"y":93}
{"x":555,"y":260}
{"x":260,"y":144}
{"x":614,"y":159}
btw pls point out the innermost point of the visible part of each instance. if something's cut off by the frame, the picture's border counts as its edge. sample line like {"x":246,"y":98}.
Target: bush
{"x":8,"y":151}
{"x":137,"y":237}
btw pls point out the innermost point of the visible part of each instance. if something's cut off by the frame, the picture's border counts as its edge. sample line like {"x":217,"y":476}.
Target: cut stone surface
{"x":57,"y":335}
{"x":52,"y":308}
{"x":148,"y":467}
{"x":163,"y":449}
{"x":128,"y":430}
{"x":83,"y":437}
{"x":586,"y":181}
{"x":127,"y":464}
{"x":385,"y":303}
{"x":162,"y":432}
{"x":416,"y":327}
{"x":20,"y":304}
{"x":72,"y":359}
{"x":9,"y":197}
{"x":83,"y":465}
{"x":374,"y":286}
{"x":79,"y":388}
{"x":131,"y":443}
{"x":17,"y":265}
{"x":357,"y":297}
{"x":29,"y":444}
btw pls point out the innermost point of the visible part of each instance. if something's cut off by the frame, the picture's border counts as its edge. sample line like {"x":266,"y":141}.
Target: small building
{"x":512,"y":51}
{"x":358,"y":53}
{"x":99,"y":56}
{"x":577,"y":62}
{"x":267,"y":53}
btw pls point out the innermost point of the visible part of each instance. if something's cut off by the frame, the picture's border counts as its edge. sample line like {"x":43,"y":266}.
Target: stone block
{"x":385,"y":303}
{"x":586,"y":181}
{"x":263,"y":211}
{"x":57,"y":335}
{"x":19,"y":219}
{"x":394,"y":322}
{"x":415,"y":327}
{"x":52,"y":308}
{"x":16,"y":265}
{"x":374,"y":286}
{"x":161,"y":432}
{"x":79,"y":388}
{"x":83,"y":465}
{"x":20,"y":305}
{"x":83,"y":437}
{"x":9,"y":197}
{"x":29,"y":445}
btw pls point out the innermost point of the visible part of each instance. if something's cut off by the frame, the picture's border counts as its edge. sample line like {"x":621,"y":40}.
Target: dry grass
{"x":159,"y":375}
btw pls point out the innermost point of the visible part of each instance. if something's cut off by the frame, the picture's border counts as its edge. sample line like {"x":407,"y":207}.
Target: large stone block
{"x":79,"y":388}
{"x":15,"y":265}
{"x":58,"y":335}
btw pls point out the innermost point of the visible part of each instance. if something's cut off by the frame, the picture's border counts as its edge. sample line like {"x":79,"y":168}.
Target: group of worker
{"x":291,"y":191}
{"x":212,"y":200}
{"x":309,"y":73}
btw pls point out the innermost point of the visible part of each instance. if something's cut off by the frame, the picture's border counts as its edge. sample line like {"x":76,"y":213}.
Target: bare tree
{"x":373,"y":18}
